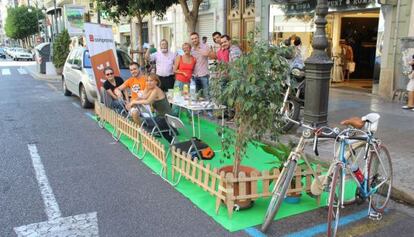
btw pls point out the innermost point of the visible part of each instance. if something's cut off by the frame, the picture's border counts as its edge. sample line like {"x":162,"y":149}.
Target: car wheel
{"x":84,"y":98}
{"x":66,"y":92}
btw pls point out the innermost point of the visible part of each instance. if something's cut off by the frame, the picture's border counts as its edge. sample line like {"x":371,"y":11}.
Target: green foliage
{"x":22,"y":22}
{"x":115,"y":9}
{"x":61,"y":49}
{"x":253,"y":86}
{"x":281,"y":152}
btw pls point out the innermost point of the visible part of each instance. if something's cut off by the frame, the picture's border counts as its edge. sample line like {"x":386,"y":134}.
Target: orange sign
{"x":100,"y":62}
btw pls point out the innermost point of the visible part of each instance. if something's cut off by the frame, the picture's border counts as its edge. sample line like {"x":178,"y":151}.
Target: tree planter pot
{"x":246,"y":203}
{"x":59,"y":70}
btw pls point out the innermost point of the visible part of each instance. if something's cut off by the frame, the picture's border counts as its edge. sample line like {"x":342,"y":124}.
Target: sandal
{"x":407,"y":107}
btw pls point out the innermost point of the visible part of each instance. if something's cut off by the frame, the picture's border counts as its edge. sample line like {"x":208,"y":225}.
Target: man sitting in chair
{"x":154,"y":96}
{"x":136,"y":83}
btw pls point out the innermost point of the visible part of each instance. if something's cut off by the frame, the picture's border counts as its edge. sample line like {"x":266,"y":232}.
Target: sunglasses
{"x":109,"y":74}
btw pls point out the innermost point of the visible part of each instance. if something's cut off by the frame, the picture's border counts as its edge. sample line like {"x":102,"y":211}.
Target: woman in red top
{"x":184,"y":66}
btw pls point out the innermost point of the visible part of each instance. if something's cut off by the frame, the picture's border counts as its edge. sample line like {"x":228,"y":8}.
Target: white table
{"x":196,"y":107}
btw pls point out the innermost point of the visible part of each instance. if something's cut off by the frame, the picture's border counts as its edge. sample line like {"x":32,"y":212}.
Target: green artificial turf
{"x":256,"y":158}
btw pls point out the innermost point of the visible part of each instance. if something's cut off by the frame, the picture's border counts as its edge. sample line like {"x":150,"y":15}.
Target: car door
{"x":75,"y":75}
{"x":77,"y":70}
{"x":68,"y":71}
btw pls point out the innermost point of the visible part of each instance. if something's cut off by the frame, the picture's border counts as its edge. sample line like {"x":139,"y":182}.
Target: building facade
{"x":368,"y":25}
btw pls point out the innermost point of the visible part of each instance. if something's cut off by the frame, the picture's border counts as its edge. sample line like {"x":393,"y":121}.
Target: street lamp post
{"x":318,"y":71}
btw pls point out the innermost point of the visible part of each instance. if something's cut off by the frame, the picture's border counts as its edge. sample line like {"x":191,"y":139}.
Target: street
{"x":56,"y":163}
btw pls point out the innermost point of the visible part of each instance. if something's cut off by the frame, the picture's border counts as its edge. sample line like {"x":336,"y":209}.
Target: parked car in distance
{"x":22,"y":54}
{"x":78,"y":79}
{"x":2,"y":53}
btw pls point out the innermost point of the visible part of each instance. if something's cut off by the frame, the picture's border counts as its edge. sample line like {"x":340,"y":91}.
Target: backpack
{"x":203,"y":148}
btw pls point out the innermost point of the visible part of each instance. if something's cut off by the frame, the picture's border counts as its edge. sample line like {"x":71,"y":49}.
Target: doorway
{"x":361,"y":33}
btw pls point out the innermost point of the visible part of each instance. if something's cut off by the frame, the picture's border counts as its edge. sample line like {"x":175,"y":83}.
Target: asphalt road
{"x":88,"y":172}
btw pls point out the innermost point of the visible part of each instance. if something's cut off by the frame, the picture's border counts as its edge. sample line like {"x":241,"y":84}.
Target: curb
{"x":40,"y":76}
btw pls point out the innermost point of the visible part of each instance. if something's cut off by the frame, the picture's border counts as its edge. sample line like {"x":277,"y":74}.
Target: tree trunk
{"x":238,"y":144}
{"x":191,"y":17}
{"x":139,"y":39}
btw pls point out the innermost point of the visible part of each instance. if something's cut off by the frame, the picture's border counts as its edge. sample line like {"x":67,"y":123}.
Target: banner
{"x":73,"y":16}
{"x":101,"y":46}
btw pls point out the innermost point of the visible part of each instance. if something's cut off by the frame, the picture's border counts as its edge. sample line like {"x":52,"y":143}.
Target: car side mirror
{"x":76,"y":67}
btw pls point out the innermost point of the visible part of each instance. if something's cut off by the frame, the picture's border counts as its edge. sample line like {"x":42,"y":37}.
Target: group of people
{"x":171,"y":70}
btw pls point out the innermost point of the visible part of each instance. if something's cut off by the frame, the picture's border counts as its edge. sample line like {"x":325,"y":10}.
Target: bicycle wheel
{"x":380,"y":178}
{"x":279,"y":193}
{"x":335,"y":200}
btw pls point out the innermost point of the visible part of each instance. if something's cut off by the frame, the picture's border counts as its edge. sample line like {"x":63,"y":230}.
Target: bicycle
{"x":289,"y":167}
{"x":374,"y":183}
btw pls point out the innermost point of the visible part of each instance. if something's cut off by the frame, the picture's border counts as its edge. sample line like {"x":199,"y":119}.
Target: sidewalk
{"x":32,"y":69}
{"x":396,"y":130}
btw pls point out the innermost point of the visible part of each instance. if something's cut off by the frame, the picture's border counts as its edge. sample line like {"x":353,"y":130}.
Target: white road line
{"x":56,"y":225}
{"x":5,"y":72}
{"x":22,"y":71}
{"x":51,"y":206}
{"x":76,"y":105}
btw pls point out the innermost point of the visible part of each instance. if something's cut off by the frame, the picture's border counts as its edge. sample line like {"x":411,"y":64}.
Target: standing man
{"x":228,"y":52}
{"x":164,"y":63}
{"x":200,"y":74}
{"x":136,"y":83}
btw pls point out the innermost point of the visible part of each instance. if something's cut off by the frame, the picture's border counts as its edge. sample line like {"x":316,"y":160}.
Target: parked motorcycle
{"x":294,"y":96}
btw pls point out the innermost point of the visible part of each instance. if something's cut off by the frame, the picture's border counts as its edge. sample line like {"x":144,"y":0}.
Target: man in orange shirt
{"x":136,"y":83}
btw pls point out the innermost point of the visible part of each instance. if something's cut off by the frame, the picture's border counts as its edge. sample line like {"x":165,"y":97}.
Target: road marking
{"x":22,"y":71}
{"x":318,"y":229}
{"x":52,"y":87}
{"x":253,"y":232}
{"x":76,"y":105}
{"x":79,"y":225}
{"x":5,"y":71}
{"x":90,"y":115}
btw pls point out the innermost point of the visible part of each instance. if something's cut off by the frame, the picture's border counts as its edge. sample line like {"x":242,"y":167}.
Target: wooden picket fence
{"x":226,"y":187}
{"x":230,"y":189}
{"x":132,"y":130}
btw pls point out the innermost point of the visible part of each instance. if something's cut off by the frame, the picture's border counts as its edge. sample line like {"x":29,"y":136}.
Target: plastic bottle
{"x":185,"y":89}
{"x":193,"y":92}
{"x":176,"y":92}
{"x":357,"y":172}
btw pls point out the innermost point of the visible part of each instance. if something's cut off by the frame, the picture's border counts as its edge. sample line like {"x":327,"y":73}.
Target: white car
{"x":78,"y":79}
{"x":22,"y":54}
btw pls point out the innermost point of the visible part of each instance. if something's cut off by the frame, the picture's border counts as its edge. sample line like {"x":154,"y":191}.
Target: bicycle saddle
{"x":355,"y":122}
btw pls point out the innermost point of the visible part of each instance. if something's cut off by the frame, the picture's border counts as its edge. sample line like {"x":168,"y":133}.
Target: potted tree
{"x":252,"y":85}
{"x":61,"y":50}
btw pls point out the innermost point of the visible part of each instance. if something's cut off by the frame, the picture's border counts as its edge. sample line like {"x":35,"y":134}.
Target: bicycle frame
{"x":370,"y":146}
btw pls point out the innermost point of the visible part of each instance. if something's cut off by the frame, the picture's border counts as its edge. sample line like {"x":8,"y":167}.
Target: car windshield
{"x":87,"y":60}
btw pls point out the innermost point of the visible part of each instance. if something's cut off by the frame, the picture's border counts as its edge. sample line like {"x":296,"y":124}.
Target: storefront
{"x":356,"y":21}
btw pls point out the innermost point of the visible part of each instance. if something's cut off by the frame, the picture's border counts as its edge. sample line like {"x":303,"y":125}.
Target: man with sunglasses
{"x":111,"y":83}
{"x":136,"y":83}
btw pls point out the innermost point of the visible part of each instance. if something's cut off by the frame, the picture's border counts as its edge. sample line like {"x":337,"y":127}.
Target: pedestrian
{"x":110,"y":84}
{"x":337,"y":73}
{"x":217,"y":41}
{"x":184,"y":66}
{"x":201,"y":73}
{"x":136,"y":83}
{"x":410,"y":87}
{"x":347,"y":55}
{"x":164,"y":62}
{"x":228,"y":51}
{"x":298,"y":61}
